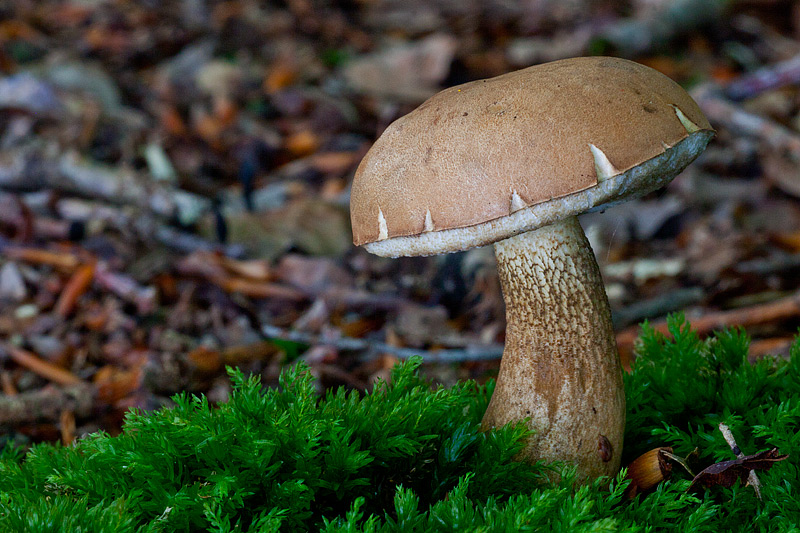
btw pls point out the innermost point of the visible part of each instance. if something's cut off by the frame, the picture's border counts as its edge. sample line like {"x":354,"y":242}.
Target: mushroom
{"x":512,"y":161}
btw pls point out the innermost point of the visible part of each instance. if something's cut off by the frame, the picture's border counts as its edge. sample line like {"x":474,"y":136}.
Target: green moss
{"x":410,"y":458}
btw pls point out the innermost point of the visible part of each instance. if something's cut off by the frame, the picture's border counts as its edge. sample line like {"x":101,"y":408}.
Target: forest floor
{"x":175,"y":176}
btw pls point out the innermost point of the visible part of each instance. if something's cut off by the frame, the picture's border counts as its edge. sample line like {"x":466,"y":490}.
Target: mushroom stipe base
{"x":560,"y":369}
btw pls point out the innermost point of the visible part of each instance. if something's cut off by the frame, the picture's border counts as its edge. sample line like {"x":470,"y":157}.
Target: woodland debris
{"x":657,"y":306}
{"x":752,"y":478}
{"x":648,"y":470}
{"x":725,"y":473}
{"x":656,"y":28}
{"x":408,"y":71}
{"x":145,"y":141}
{"x":126,"y":288}
{"x":60,"y":260}
{"x":722,"y":112}
{"x":764,"y":79}
{"x":372,"y":349}
{"x":77,"y":285}
{"x":786,"y":307}
{"x":47,"y":404}
{"x":39,"y":366}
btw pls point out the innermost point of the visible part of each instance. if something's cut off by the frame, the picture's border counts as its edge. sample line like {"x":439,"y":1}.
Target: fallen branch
{"x":77,"y":285}
{"x":182,"y":241}
{"x":752,"y":478}
{"x":659,"y":306}
{"x":779,"y":346}
{"x":39,"y":366}
{"x":142,"y":223}
{"x":350,"y":298}
{"x":372,"y":349}
{"x":68,"y":174}
{"x":259,"y":289}
{"x":764,"y":79}
{"x":35,"y":256}
{"x":723,"y":113}
{"x":782,"y":308}
{"x":47,"y":403}
{"x":124,"y":286}
{"x":637,"y":35}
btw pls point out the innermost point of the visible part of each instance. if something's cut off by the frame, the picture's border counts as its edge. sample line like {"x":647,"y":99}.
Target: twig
{"x":188,"y":243}
{"x":354,"y":298}
{"x":126,"y":288}
{"x":39,"y":366}
{"x":66,"y":423}
{"x":786,"y":307}
{"x":128,"y":187}
{"x":74,"y":289}
{"x":47,"y":404}
{"x":7,"y":384}
{"x":778,"y":346}
{"x":143,"y":224}
{"x":60,"y":260}
{"x":37,"y":171}
{"x":778,"y":262}
{"x":373,"y":349}
{"x":752,"y":478}
{"x":210,"y":267}
{"x":259,"y":289}
{"x":636,"y":36}
{"x":722,"y":112}
{"x":764,"y":79}
{"x":658,"y":306}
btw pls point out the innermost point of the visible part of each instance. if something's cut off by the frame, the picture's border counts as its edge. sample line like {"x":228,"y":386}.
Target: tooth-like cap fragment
{"x":428,"y":221}
{"x":603,"y":168}
{"x":517,"y":202}
{"x":493,"y":158}
{"x":383,"y":230}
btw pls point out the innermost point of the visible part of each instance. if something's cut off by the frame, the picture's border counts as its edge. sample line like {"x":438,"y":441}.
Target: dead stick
{"x":259,"y":289}
{"x":46,"y":404}
{"x":7,"y":384}
{"x":39,"y":366}
{"x":762,"y":347}
{"x":36,"y":256}
{"x":373,"y":349}
{"x":764,"y":79}
{"x":77,"y":285}
{"x":722,"y":112}
{"x":786,"y":307}
{"x":752,"y":478}
{"x":126,"y":288}
{"x":355,"y":298}
{"x":188,"y":242}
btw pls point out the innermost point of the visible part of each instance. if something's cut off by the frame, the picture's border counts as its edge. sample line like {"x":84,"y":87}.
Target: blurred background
{"x":174,"y":190}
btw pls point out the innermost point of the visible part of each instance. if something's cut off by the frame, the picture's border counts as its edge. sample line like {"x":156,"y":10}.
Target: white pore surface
{"x":638,"y":181}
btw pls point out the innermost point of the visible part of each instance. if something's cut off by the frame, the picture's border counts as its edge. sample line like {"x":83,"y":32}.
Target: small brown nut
{"x":648,"y":470}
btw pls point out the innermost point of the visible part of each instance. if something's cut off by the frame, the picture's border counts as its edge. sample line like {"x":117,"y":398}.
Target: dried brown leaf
{"x":725,"y":473}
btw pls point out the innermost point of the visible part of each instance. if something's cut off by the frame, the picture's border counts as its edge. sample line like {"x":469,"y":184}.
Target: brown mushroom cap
{"x":487,"y":160}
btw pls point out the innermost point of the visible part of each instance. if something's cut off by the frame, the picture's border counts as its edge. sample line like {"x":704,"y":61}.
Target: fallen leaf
{"x":279,"y":77}
{"x":410,"y":71}
{"x":312,"y":226}
{"x":302,"y":143}
{"x":725,"y":473}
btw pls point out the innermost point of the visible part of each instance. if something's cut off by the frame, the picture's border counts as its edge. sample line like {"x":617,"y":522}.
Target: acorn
{"x":648,"y":470}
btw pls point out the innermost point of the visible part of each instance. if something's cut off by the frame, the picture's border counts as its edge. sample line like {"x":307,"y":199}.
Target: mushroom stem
{"x":560,"y":369}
